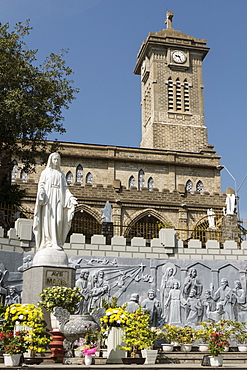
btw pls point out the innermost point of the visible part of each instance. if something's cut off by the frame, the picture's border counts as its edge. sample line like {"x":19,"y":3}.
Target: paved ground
{"x":127,"y":367}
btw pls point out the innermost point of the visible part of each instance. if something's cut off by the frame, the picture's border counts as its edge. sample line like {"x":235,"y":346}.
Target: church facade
{"x":174,"y":177}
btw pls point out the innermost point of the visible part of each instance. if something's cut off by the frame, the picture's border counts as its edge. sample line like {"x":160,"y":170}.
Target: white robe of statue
{"x":230,"y":204}
{"x":54,"y":207}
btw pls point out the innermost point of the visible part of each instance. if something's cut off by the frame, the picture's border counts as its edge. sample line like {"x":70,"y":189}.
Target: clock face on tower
{"x":179,"y":57}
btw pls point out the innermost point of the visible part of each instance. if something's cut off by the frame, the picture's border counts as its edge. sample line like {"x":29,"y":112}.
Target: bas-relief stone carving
{"x":27,"y":262}
{"x":133,"y":303}
{"x":13,"y":296}
{"x":54,"y":208}
{"x":181,"y":294}
{"x":173,"y":304}
{"x":152,"y":304}
{"x":3,"y":290}
{"x":103,"y":278}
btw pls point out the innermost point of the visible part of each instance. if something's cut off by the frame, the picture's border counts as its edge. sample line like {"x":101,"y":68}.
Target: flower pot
{"x":226,"y":349}
{"x":186,"y":347}
{"x":103,"y":352}
{"x":167,"y":347}
{"x":114,"y":341}
{"x":12,"y":360}
{"x":216,"y":361}
{"x":33,"y":360}
{"x":150,"y":355}
{"x":133,"y":360}
{"x":88,"y":359}
{"x":203,"y":347}
{"x":242,"y":347}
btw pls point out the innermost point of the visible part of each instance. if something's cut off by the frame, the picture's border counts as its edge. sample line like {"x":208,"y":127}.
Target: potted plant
{"x":185,"y":337}
{"x":216,"y":345}
{"x":149,"y":353}
{"x":28,"y":317}
{"x":138,"y":335}
{"x":59,"y":296}
{"x":239,"y":333}
{"x":112,"y":324}
{"x":13,"y":345}
{"x":202,"y":336}
{"x":171,"y":335}
{"x":89,"y":345}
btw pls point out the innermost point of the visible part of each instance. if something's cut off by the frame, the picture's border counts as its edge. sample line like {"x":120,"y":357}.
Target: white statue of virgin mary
{"x":55,"y":206}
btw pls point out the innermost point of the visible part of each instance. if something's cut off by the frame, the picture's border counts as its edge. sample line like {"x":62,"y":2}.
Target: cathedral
{"x":173,"y":179}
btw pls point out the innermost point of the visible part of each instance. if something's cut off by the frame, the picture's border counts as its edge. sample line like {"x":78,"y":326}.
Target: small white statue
{"x":230,"y":204}
{"x":54,"y":208}
{"x":106,"y":212}
{"x":211,"y":216}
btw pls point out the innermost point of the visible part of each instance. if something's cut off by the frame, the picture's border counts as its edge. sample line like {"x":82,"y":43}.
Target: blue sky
{"x":104,"y":36}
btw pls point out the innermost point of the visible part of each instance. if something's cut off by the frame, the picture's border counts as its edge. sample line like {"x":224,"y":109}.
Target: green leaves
{"x":59,"y":296}
{"x":32,"y":96}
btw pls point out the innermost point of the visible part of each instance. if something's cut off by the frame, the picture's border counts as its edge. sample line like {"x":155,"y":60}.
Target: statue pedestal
{"x":36,"y":278}
{"x":57,"y":350}
{"x":230,"y":228}
{"x":50,"y":257}
{"x":107,"y":231}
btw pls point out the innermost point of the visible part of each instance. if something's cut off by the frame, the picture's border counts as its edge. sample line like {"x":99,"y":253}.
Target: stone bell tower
{"x":170,"y":65}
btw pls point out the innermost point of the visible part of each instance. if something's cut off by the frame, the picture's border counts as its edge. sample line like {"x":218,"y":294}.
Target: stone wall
{"x":167,"y":246}
{"x":138,"y":267}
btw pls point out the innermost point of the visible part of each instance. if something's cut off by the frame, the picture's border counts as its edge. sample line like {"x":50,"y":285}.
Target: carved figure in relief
{"x":13,"y":296}
{"x":3,"y":291}
{"x":27,"y":262}
{"x":166,"y":285}
{"x":173,"y":304}
{"x":192,"y":282}
{"x":54,"y":208}
{"x":99,"y":290}
{"x":85,"y":291}
{"x":224,"y":296}
{"x":240,"y":306}
{"x":133,"y":304}
{"x":194,"y":305}
{"x":208,"y":304}
{"x":218,"y":314}
{"x":152,"y":304}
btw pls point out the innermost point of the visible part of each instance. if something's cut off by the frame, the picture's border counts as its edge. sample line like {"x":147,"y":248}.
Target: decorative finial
{"x":168,"y":21}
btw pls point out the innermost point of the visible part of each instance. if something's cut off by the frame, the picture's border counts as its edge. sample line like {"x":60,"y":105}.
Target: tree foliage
{"x":32,"y":98}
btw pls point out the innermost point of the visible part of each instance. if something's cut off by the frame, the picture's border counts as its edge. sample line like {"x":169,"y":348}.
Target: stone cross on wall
{"x":168,"y":21}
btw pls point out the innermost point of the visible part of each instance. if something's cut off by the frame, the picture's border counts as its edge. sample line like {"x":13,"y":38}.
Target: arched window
{"x":170,"y":94}
{"x":140,"y":179}
{"x":189,"y":186}
{"x":150,"y":183}
{"x":200,"y":187}
{"x":69,"y":178}
{"x":23,"y":176}
{"x":178,"y":95}
{"x":89,"y":178}
{"x":79,"y":173}
{"x":186,"y":96}
{"x":132,"y":181}
{"x":14,"y":172}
